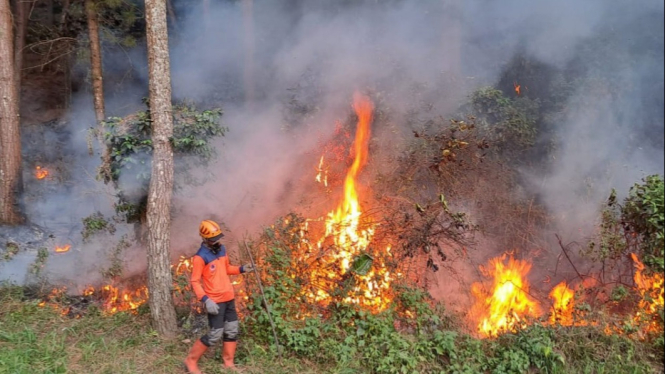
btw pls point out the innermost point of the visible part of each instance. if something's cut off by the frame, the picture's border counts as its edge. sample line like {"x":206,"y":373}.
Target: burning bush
{"x":339,"y":327}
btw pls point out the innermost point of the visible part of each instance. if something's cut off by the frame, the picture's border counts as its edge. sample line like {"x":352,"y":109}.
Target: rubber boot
{"x":191,"y":362}
{"x":228,"y":354}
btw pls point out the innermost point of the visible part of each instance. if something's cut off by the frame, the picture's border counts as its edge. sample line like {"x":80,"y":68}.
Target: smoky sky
{"x":317,"y":53}
{"x":608,"y":134}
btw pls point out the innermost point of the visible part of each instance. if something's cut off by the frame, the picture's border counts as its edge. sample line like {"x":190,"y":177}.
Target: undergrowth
{"x":36,"y":339}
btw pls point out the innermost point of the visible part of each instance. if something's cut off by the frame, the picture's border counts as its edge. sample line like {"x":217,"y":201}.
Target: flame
{"x":650,"y":288}
{"x":116,"y":300}
{"x":184,"y":266}
{"x":342,"y":224}
{"x":564,"y":303}
{"x":518,"y":88}
{"x":506,"y":306}
{"x":63,"y":249}
{"x":40,"y":173}
{"x":348,"y":235}
{"x":321,"y":173}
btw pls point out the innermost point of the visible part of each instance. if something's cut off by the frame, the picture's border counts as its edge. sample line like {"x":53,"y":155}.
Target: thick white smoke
{"x":316,"y":53}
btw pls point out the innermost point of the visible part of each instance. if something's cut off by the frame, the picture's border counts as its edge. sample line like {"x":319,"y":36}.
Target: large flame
{"x":348,"y":235}
{"x":507,"y":304}
{"x":342,"y":224}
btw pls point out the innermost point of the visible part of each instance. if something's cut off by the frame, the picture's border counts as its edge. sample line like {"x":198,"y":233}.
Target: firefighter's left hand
{"x":247,"y":268}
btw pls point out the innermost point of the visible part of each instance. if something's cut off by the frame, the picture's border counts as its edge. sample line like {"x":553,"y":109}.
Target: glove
{"x":211,"y":307}
{"x":247,"y":268}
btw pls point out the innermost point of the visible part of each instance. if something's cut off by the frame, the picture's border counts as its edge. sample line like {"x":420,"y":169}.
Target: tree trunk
{"x":248,"y":74}
{"x":21,"y":20}
{"x":10,"y":138}
{"x":161,"y":177}
{"x":95,"y":61}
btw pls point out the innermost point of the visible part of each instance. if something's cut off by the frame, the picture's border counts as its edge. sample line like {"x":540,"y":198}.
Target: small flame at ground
{"x":564,"y":303}
{"x":116,"y":300}
{"x":507,"y":304}
{"x":41,"y":173}
{"x":650,"y":288}
{"x":63,"y":248}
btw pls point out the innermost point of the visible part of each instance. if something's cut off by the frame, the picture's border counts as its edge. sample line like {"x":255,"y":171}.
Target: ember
{"x":41,"y":173}
{"x":518,"y":88}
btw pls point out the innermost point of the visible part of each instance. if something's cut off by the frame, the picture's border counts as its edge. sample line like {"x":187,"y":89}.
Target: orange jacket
{"x":210,"y":275}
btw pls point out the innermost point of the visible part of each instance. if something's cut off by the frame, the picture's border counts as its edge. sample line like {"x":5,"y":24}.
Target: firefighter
{"x":211,"y":284}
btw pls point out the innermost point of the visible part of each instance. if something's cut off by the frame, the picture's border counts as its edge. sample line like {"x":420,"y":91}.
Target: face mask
{"x":215,"y":247}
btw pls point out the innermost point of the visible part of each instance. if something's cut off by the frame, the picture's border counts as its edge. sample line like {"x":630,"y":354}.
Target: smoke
{"x":310,"y":56}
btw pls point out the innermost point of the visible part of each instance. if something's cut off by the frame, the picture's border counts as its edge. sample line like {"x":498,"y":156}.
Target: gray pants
{"x":223,"y":324}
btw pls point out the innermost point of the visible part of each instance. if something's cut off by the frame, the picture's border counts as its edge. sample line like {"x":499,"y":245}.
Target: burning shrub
{"x":643,"y":214}
{"x":350,"y":329}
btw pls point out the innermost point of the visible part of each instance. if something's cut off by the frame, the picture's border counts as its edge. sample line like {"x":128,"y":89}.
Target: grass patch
{"x":39,"y":339}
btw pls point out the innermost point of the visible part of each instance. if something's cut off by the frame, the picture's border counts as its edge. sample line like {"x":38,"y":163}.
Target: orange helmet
{"x":210,"y":229}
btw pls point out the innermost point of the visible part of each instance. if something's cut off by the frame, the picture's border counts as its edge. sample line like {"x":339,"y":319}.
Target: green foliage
{"x":130,"y":151}
{"x":511,"y":123}
{"x":40,"y":261}
{"x":611,"y":241}
{"x":10,"y":251}
{"x":531,"y":348}
{"x":636,"y":226}
{"x":115,"y":257}
{"x":130,"y":142}
{"x":96,"y":223}
{"x":619,"y":293}
{"x":643,"y":213}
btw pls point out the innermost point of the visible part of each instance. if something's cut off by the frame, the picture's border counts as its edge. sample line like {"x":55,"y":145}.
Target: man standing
{"x":211,"y":284}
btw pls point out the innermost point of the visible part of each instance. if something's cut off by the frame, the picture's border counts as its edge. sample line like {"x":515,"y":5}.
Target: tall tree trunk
{"x":95,"y":61}
{"x":10,"y":138}
{"x":21,"y":20}
{"x":161,"y":177}
{"x":248,"y":74}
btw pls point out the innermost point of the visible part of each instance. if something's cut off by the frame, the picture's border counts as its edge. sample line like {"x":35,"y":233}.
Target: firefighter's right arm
{"x":197,"y":285}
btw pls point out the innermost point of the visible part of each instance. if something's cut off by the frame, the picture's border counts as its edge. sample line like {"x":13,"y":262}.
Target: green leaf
{"x":362,"y":264}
